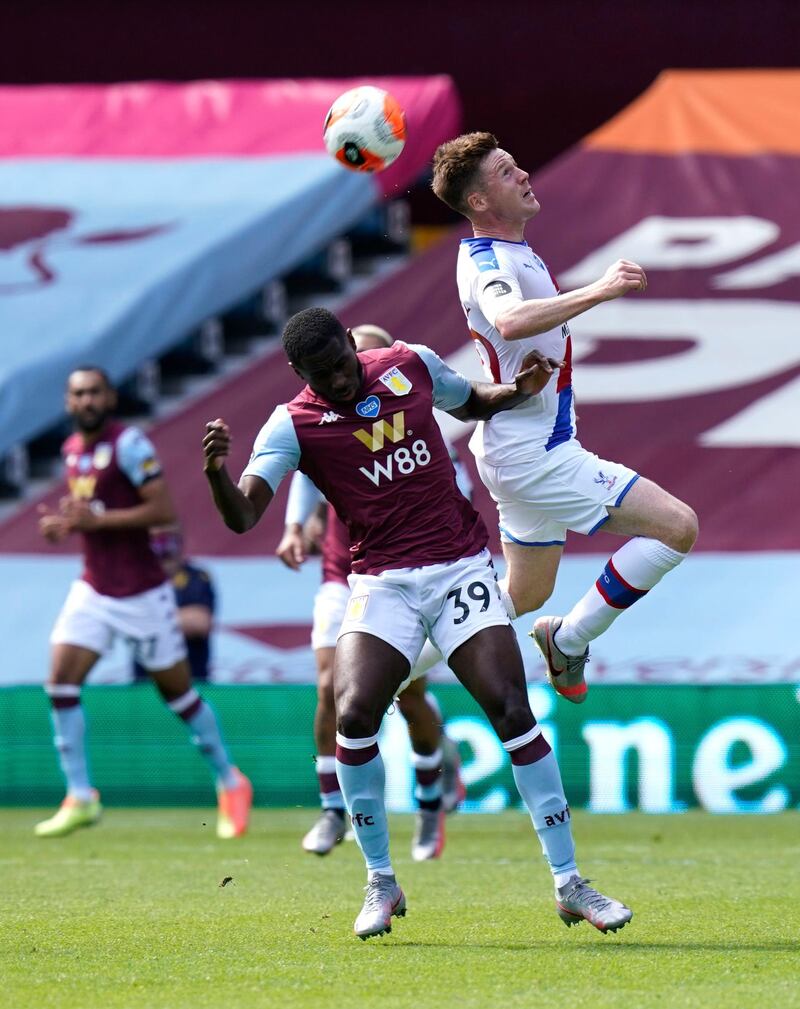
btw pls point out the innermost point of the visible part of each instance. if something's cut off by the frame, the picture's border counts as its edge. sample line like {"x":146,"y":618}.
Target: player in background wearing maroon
{"x":434,"y":757}
{"x":420,"y":569}
{"x":116,"y":493}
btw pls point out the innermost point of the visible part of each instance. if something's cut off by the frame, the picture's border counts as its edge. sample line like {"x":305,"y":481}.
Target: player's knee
{"x":514,"y":718}
{"x":356,"y":723}
{"x":685,"y":528}
{"x":64,"y":674}
{"x":529,"y":590}
{"x":410,"y":704}
{"x":531,"y":600}
{"x":325,"y":690}
{"x":355,"y":714}
{"x":325,"y":679}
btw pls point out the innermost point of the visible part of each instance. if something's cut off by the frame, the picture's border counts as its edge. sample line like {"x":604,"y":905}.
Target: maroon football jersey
{"x":336,"y":557}
{"x":117,"y":562}
{"x":384,"y":466}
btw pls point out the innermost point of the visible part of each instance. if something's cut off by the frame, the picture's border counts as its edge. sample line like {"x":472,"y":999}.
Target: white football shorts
{"x":148,"y":621}
{"x":567,"y":488}
{"x":447,"y":603}
{"x":330,"y":604}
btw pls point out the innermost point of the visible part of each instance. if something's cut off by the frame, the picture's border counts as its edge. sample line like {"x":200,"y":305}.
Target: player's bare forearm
{"x":240,"y":507}
{"x":239,"y":512}
{"x":292,"y":549}
{"x":529,"y":318}
{"x":487,"y":399}
{"x":195,"y":620}
{"x":154,"y":509}
{"x":538,"y":315}
{"x":143,"y":516}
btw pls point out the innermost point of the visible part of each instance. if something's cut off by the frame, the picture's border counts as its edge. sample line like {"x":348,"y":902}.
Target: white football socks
{"x":631,"y":572}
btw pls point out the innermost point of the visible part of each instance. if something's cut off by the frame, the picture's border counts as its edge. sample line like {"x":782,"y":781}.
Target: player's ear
{"x":296,"y":371}
{"x":476,"y":201}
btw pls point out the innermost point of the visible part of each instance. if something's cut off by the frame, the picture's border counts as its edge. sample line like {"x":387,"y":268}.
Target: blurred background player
{"x":438,"y":787}
{"x":195,"y":599}
{"x":541,"y":478}
{"x":116,"y":493}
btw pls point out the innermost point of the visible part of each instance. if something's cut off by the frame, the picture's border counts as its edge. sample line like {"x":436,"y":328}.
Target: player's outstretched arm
{"x":240,"y":507}
{"x":486,"y":399}
{"x":529,"y":318}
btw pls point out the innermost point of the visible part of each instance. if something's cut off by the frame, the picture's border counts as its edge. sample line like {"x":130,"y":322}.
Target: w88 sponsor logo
{"x":401,"y":462}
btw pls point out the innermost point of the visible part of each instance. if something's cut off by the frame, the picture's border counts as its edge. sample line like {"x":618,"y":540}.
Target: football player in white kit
{"x":541,"y":478}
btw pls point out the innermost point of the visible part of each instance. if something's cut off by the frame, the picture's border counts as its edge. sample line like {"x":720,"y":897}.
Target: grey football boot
{"x":453,"y":791}
{"x":384,"y":899}
{"x":565,"y":672}
{"x":428,"y":840}
{"x":327,"y":832}
{"x":576,"y":901}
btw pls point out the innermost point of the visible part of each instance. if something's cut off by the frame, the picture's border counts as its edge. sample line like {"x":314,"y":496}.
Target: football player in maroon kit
{"x":438,"y":788}
{"x":363,"y":430}
{"x":116,"y":493}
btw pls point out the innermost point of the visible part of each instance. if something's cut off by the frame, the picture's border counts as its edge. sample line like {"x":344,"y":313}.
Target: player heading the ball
{"x":364,"y":431}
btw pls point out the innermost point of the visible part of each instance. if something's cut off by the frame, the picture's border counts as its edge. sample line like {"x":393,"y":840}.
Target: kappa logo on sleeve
{"x":396,"y":382}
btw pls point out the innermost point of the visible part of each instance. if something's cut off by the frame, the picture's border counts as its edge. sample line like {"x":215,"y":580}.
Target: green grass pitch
{"x":131,"y":913}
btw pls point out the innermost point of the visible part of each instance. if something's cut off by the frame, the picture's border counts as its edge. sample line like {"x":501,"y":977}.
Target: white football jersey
{"x":494,"y":275}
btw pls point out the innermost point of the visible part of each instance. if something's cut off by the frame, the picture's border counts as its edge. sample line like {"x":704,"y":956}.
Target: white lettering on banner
{"x":208,"y":99}
{"x":488,"y":756}
{"x":722,"y":356}
{"x":673,"y":243}
{"x":716,"y":778}
{"x":772,"y":420}
{"x":609,"y":744}
{"x":764,"y":272}
{"x":118,"y":96}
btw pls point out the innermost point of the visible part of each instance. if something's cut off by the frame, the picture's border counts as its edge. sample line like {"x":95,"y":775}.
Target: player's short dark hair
{"x":309,"y":332}
{"x":97,"y":370}
{"x":456,"y":165}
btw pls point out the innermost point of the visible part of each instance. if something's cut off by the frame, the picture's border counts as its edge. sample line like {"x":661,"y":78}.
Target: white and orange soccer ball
{"x":365,"y":129}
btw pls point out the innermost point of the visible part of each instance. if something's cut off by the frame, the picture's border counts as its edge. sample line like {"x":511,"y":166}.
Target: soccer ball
{"x":365,"y":129}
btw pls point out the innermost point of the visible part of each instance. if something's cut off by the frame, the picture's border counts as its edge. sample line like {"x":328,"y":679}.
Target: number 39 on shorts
{"x":468,"y":598}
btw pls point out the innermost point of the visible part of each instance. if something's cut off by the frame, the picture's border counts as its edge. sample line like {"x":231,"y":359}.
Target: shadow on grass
{"x":610,"y":944}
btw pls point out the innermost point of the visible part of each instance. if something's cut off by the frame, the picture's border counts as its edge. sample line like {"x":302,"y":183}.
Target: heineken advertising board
{"x":653,"y":748}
